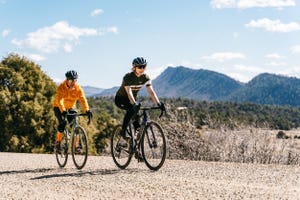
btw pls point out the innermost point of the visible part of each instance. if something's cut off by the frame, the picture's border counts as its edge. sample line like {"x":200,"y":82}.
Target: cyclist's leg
{"x":136,"y":123}
{"x":128,"y":115}
{"x":60,"y":128}
{"x":70,"y":118}
{"x":125,"y":104}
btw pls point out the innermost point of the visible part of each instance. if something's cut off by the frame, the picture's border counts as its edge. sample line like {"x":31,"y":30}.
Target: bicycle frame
{"x":136,"y":143}
{"x":71,"y":126}
{"x":76,"y":135}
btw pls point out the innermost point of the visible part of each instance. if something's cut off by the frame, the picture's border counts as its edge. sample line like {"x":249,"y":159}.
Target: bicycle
{"x":79,"y":142}
{"x":148,"y":145}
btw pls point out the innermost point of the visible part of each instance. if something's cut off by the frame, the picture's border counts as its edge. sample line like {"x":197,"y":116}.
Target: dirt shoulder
{"x":37,"y":176}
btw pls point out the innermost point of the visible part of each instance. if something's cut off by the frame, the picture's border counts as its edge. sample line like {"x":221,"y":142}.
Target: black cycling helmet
{"x":71,"y":75}
{"x":139,"y":61}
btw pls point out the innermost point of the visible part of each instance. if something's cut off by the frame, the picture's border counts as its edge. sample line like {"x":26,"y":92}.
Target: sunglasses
{"x":72,"y":80}
{"x":141,"y":66}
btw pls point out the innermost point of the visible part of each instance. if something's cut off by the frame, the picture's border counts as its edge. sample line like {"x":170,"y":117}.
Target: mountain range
{"x":208,"y":85}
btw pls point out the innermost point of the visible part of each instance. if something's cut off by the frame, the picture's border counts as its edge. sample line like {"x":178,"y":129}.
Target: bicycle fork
{"x":153,"y":143}
{"x":136,"y":145}
{"x":78,"y":139}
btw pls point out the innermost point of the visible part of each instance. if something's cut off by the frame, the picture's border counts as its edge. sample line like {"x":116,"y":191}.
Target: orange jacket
{"x":66,"y":98}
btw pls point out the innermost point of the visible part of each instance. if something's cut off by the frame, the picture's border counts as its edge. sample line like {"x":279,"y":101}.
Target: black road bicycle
{"x":149,"y":145}
{"x":79,"y":142}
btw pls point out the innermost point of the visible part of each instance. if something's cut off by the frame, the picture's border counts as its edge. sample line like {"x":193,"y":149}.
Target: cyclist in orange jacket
{"x":67,"y":94}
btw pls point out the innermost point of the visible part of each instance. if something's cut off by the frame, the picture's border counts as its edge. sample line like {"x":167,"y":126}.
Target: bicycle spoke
{"x":79,"y":147}
{"x":120,"y":154}
{"x":62,"y":156}
{"x":154,"y":146}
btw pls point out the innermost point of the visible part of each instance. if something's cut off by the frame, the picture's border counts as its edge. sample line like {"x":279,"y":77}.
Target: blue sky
{"x":99,"y":38}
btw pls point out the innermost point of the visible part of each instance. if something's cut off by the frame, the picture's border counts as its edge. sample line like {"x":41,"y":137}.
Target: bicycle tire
{"x":62,"y":156}
{"x":153,"y":146}
{"x":79,"y":147}
{"x":121,"y":156}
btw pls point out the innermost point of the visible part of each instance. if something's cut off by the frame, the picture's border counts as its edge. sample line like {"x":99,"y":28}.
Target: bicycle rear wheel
{"x":62,"y":156}
{"x":120,"y":154}
{"x":154,"y":146}
{"x":79,"y":147}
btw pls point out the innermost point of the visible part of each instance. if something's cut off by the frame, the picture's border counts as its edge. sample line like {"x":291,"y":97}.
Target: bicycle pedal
{"x":139,"y":157}
{"x":78,"y":150}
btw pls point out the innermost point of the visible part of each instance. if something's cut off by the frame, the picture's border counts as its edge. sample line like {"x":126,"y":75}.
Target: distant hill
{"x":194,"y":84}
{"x":92,"y":91}
{"x":110,"y":92}
{"x":208,"y":85}
{"x":269,"y":89}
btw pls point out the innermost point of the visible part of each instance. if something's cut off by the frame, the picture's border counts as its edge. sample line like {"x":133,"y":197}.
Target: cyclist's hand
{"x":136,"y":107}
{"x":89,"y":113}
{"x":162,"y":106}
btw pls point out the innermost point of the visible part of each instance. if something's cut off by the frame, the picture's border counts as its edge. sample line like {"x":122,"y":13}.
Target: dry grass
{"x":251,"y":146}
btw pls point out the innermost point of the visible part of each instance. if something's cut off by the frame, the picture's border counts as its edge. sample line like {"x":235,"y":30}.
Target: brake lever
{"x":161,"y":113}
{"x":89,"y":120}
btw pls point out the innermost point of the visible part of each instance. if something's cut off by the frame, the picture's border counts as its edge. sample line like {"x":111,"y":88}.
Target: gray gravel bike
{"x":79,"y":142}
{"x":148,"y":145}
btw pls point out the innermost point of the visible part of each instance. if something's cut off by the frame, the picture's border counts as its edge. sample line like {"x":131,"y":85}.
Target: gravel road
{"x":37,"y":176}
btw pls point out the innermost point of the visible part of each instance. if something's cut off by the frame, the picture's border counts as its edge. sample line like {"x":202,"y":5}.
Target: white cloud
{"x":96,"y":12}
{"x":67,"y":47}
{"x":155,"y":72}
{"x":240,"y":76}
{"x":274,"y":56}
{"x":57,"y":80}
{"x":112,"y":29}
{"x":244,"y":73}
{"x":36,"y":57}
{"x":296,"y":49}
{"x":186,"y":63}
{"x":245,"y":68}
{"x":293,"y":71}
{"x":273,"y":25}
{"x":223,"y":3}
{"x":5,"y":32}
{"x":277,"y":64}
{"x":244,"y":4}
{"x":223,"y":56}
{"x":59,"y":36}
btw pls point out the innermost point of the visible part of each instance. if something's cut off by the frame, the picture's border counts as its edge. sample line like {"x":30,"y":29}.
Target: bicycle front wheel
{"x":62,"y":154}
{"x":79,"y":147}
{"x":120,"y":153}
{"x":154,"y":146}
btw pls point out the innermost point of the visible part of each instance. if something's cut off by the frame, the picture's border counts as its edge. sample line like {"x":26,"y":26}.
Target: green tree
{"x":27,"y":119}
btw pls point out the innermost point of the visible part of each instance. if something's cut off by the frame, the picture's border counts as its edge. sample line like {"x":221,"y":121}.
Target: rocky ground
{"x":37,"y":176}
